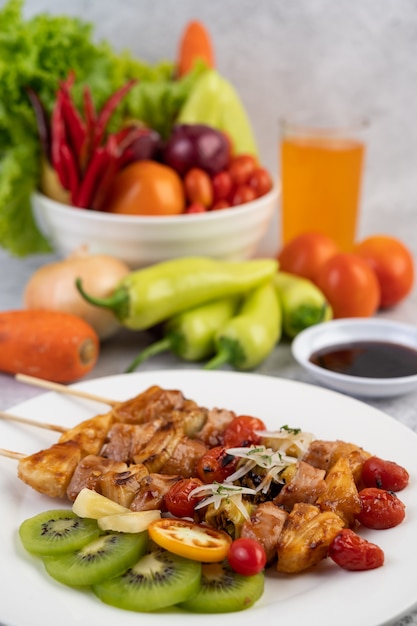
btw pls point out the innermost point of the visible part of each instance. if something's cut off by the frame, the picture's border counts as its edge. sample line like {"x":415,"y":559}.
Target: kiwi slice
{"x":107,"y":556}
{"x":158,"y":580}
{"x":224,"y":591}
{"x":56,"y":532}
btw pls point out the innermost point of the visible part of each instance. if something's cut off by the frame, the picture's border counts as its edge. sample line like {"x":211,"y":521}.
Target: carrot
{"x":195,"y":44}
{"x":52,"y":345}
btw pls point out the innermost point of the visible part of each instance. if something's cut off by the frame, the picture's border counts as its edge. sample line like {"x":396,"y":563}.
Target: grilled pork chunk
{"x":324,"y":454}
{"x":265,"y":525}
{"x":184,"y":458}
{"x":121,"y":487}
{"x":151,"y":492}
{"x":49,"y":471}
{"x":90,"y":434}
{"x":212,"y":432}
{"x":89,"y":472}
{"x":306,"y":485}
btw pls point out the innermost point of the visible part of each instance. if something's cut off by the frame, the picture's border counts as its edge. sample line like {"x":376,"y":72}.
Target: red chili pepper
{"x":57,"y":140}
{"x":108,"y":109}
{"x":70,"y":166}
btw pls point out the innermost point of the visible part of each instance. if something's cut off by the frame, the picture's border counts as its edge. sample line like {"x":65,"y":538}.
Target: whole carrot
{"x":56,"y":346}
{"x":195,"y":44}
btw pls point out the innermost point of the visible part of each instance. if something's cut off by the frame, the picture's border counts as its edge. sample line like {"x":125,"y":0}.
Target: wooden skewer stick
{"x":29,"y":422}
{"x":11,"y":455}
{"x":47,"y":384}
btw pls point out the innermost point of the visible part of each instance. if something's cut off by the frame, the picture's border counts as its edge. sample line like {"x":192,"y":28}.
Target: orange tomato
{"x":190,"y":540}
{"x":350,"y":286}
{"x":146,"y":188}
{"x":305,"y":254}
{"x":393,"y":264}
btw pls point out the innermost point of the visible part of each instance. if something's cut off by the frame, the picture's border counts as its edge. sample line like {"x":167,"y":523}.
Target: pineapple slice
{"x":91,"y":504}
{"x":132,"y":522}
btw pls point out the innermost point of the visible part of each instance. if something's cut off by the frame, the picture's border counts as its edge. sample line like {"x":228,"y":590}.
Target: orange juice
{"x":321,"y":180}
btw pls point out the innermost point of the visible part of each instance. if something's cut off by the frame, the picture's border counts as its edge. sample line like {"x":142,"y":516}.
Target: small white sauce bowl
{"x":345,"y":331}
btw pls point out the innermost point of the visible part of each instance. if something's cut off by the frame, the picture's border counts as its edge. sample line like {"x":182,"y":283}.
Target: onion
{"x":52,"y":287}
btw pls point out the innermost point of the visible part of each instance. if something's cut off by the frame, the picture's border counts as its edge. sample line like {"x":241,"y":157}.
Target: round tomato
{"x":380,"y":509}
{"x":178,"y":501}
{"x":261,"y":182}
{"x":222,"y":185}
{"x":190,"y":540}
{"x":241,"y":168}
{"x":393,"y":264}
{"x":146,"y":188}
{"x":305,"y":254}
{"x":242,"y":194}
{"x":198,"y":187}
{"x":384,"y":474}
{"x":219,"y":205}
{"x":246,"y":556}
{"x":354,"y":553}
{"x":216,"y":465}
{"x":241,"y":431}
{"x":350,"y":286}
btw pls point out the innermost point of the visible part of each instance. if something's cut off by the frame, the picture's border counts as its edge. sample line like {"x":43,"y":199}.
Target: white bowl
{"x":344,"y":331}
{"x":228,"y":234}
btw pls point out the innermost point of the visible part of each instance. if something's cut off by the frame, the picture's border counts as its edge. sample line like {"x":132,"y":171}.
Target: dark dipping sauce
{"x":368,"y":359}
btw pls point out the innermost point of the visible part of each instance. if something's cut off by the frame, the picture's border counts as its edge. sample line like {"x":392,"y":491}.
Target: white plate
{"x":338,"y":332}
{"x":331,"y":594}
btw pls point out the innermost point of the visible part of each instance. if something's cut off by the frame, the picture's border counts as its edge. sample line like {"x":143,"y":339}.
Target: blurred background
{"x":283,"y":56}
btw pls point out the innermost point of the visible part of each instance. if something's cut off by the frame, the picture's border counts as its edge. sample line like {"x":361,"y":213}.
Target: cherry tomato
{"x":350,"y":286}
{"x":380,"y":509}
{"x":195,"y":207}
{"x":241,"y":431}
{"x":261,"y":182}
{"x":383,"y":474}
{"x":222,"y":186}
{"x":393,"y":264}
{"x":190,"y":540}
{"x":352,"y":552}
{"x":146,"y":188}
{"x":242,"y":194}
{"x":216,"y":465}
{"x":241,"y":168}
{"x":246,"y":556}
{"x":219,"y":205}
{"x":178,"y":501}
{"x":198,"y":187}
{"x":305,"y":254}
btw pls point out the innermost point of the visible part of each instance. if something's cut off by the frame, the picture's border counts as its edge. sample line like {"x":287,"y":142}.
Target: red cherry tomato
{"x":393,"y":264}
{"x":383,"y":474}
{"x":222,"y":186}
{"x":242,"y":194}
{"x":216,"y":465}
{"x":241,"y":168}
{"x":350,"y":285}
{"x":246,"y":556}
{"x":261,"y":182}
{"x":380,"y":509}
{"x":195,"y":207}
{"x":352,"y":552}
{"x":219,"y":205}
{"x":178,"y":501}
{"x":241,"y":431}
{"x":305,"y":254}
{"x":198,"y":187}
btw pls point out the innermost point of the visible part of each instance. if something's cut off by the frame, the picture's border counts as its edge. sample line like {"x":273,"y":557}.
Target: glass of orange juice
{"x":321,"y":175}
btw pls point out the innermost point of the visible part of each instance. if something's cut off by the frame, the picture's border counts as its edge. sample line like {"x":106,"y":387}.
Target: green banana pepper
{"x":249,"y":337}
{"x":156,"y":293}
{"x":303,"y":304}
{"x":190,"y":335}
